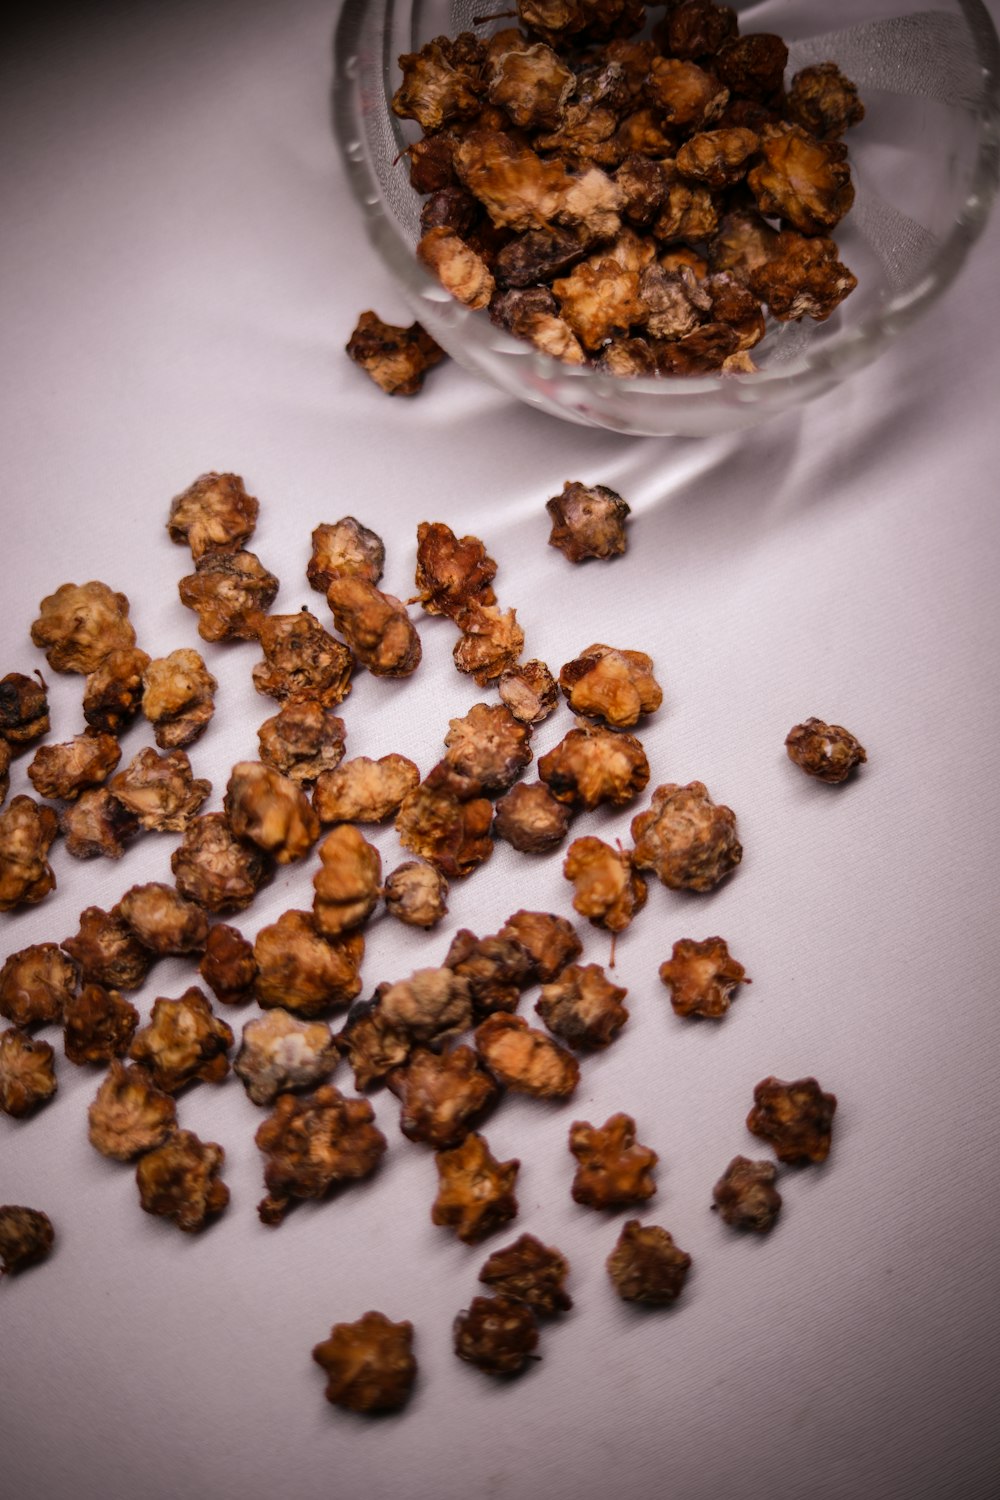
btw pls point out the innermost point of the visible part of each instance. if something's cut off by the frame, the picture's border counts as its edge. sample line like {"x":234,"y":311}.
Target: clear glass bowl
{"x":925,"y":162}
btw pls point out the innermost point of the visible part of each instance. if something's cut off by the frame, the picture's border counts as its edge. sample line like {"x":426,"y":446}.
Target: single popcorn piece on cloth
{"x":24,"y":709}
{"x":745,"y":1196}
{"x":702,"y":977}
{"x":615,"y":686}
{"x":98,"y":1025}
{"x":213,"y":515}
{"x":496,"y":1334}
{"x":826,"y":751}
{"x":529,"y":1272}
{"x":796,"y":1118}
{"x":686,"y":838}
{"x":180,"y":1181}
{"x":281,"y":1054}
{"x":26,"y":1238}
{"x":112,"y":694}
{"x":475,"y":1192}
{"x":313,"y":1145}
{"x":27,"y":832}
{"x":369,"y":1364}
{"x":184,"y":1041}
{"x":526,"y":1060}
{"x":80,"y":624}
{"x":303,"y":741}
{"x":583,"y":1008}
{"x":442,"y":1096}
{"x":36,"y":983}
{"x":214,"y":867}
{"x":27,"y":1073}
{"x":395,"y":358}
{"x":129,"y":1115}
{"x":344,"y":547}
{"x":607,"y":888}
{"x":588,"y":522}
{"x":646,"y":1265}
{"x":614,"y":1169}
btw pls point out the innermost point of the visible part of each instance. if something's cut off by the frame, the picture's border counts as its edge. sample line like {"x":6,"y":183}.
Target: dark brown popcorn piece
{"x":643,"y":184}
{"x":180,"y":1181}
{"x":215,"y":514}
{"x":281,"y":1054}
{"x":582,"y":1007}
{"x":538,"y":255}
{"x":162,"y":920}
{"x":607,"y":889}
{"x":345,"y":546}
{"x":271,"y":811}
{"x":430,"y":1006}
{"x":178,"y":698}
{"x":80,"y":624}
{"x":35,"y":985}
{"x":396,"y":358}
{"x":796,"y":1118}
{"x":27,"y":829}
{"x":364,"y":790}
{"x":303,"y":741}
{"x":106,"y":950}
{"x":372,"y":1047}
{"x":529,"y":1272}
{"x":827,"y":751}
{"x":24,"y":709}
{"x":687,"y":96}
{"x":440,"y":84}
{"x":230,"y":592}
{"x":302,"y":661}
{"x":673,"y":303}
{"x":26,"y":1238}
{"x":688,"y":840}
{"x":128,"y":1114}
{"x":580,"y":21}
{"x":530,"y":819}
{"x":529,"y":691}
{"x":752,"y":66}
{"x":745,"y":1195}
{"x":98,"y":1025}
{"x":112,"y":694}
{"x":802,"y":180}
{"x":184,"y":1041}
{"x":430,"y":162}
{"x":587,"y":522}
{"x":348,"y":882}
{"x":97,"y":824}
{"x":646,"y":1265}
{"x":228,"y":965}
{"x":66,"y":770}
{"x":735,"y":305}
{"x":369,"y":1364}
{"x":526,"y":1060}
{"x":451,"y":571}
{"x":447,"y":822}
{"x":610,"y":684}
{"x":27,"y":1073}
{"x":302,"y":971}
{"x":614,"y":1169}
{"x":718,"y":158}
{"x":416,"y":894}
{"x":532,"y":314}
{"x":496,"y":1334}
{"x":475,"y":1192}
{"x":591,"y":765}
{"x":458,"y":267}
{"x":495,"y":968}
{"x":453,"y":208}
{"x":824,"y":102}
{"x":550,"y":941}
{"x":531,"y":85}
{"x":215,"y":868}
{"x":696,"y":28}
{"x":160,"y":790}
{"x":742,"y":243}
{"x":702,"y":977}
{"x":314,"y":1144}
{"x":488,"y":745}
{"x":375,"y":626}
{"x":624,"y":357}
{"x":491,"y":642}
{"x":700,"y":352}
{"x":442,"y":1096}
{"x":803,"y":278}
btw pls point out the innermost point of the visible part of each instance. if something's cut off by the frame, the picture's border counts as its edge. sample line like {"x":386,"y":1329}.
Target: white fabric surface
{"x":182,"y":268}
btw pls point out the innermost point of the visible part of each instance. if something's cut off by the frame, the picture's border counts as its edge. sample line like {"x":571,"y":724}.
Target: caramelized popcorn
{"x":796,"y":1118}
{"x":302,"y":971}
{"x":35,"y":985}
{"x":112,"y":694}
{"x":697,"y":28}
{"x":66,"y":770}
{"x":375,"y":626}
{"x":827,"y":751}
{"x":215,"y":868}
{"x":27,"y":829}
{"x":460,"y":270}
{"x":180,"y":1181}
{"x":128,"y":1114}
{"x":80,"y":624}
{"x":372,"y":1047}
{"x":106,"y":950}
{"x":24,"y":709}
{"x":442,"y":1096}
{"x":162,"y":920}
{"x":348,"y":882}
{"x":228,"y":965}
{"x":526,"y":1060}
{"x":215,"y":514}
{"x":345,"y":547}
{"x":184,"y":1041}
{"x":364,"y":790}
{"x":178,"y":698}
{"x":429,"y":1007}
{"x":701,"y":977}
{"x":99,"y":1025}
{"x":607,"y":888}
{"x":452,"y":572}
{"x":802,"y":180}
{"x":475,"y":1192}
{"x":416,"y":894}
{"x":396,"y":358}
{"x":491,"y":642}
{"x":26,"y":1237}
{"x":27,"y":1073}
{"x":230,"y":592}
{"x":281,"y":1054}
{"x":529,"y":691}
{"x":615,"y":686}
{"x":302,"y":661}
{"x":447,"y":822}
{"x":270,"y":810}
{"x":441,"y":83}
{"x":587,"y":522}
{"x":530,"y":819}
{"x":824,"y":102}
{"x":687,"y":839}
{"x":531,"y":85}
{"x":314,"y":1144}
{"x":303,"y":741}
{"x":160,"y":790}
{"x":496,"y":1334}
{"x":745,"y":1196}
{"x":496,"y":969}
{"x":802,"y":278}
{"x":646,"y":1265}
{"x":528,"y":1271}
{"x":97,"y":824}
{"x":614,"y":1169}
{"x":550,"y":941}
{"x":582,"y":1007}
{"x":599,"y":302}
{"x":591,"y":765}
{"x":488,"y":745}
{"x":369,"y":1364}
{"x":743,"y":243}
{"x":752,"y":66}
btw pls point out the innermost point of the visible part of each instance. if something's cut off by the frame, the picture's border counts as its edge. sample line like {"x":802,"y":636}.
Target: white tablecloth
{"x":183,"y":265}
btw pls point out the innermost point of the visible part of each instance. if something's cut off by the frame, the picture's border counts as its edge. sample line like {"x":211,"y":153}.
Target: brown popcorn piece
{"x":26,"y":1238}
{"x":184,"y":1041}
{"x":531,"y":85}
{"x":215,"y":514}
{"x":64,"y":771}
{"x":112,"y":694}
{"x":369,"y":1364}
{"x":27,"y":1073}
{"x":475,"y":1192}
{"x":228,"y":965}
{"x":345,"y":547}
{"x":35,"y":985}
{"x":550,"y":941}
{"x":162,"y":920}
{"x":827,"y":751}
{"x":736,"y":306}
{"x":451,"y":571}
{"x":178,"y":698}
{"x":106,"y":950}
{"x":441,"y":83}
{"x":582,"y":21}
{"x":364,"y":790}
{"x":526,"y":1060}
{"x":796,"y":1118}
{"x":824,"y":102}
{"x":281,"y":1054}
{"x":527,"y":259}
{"x":599,"y":302}
{"x":430,"y":1006}
{"x":519,"y":190}
{"x":97,"y":824}
{"x":314,"y":1144}
{"x":805,"y":181}
{"x":718,"y":158}
{"x":348,"y":882}
{"x":128,"y":1114}
{"x":160,"y":790}
{"x":697,"y":28}
{"x":673,"y":303}
{"x":745,"y":1195}
{"x":24,"y":709}
{"x":302,"y":741}
{"x":375,"y":626}
{"x":302,"y":661}
{"x":180,"y":1181}
{"x":488,"y":745}
{"x":685,"y":94}
{"x":583,"y":1008}
{"x":687,"y":839}
{"x":591,"y":765}
{"x":372,"y":1047}
{"x":752,"y":66}
{"x":99,"y":1025}
{"x":615,"y":686}
{"x":442,"y":1096}
{"x":271,"y":811}
{"x":529,"y":691}
{"x":215,"y":868}
{"x":528,"y":1271}
{"x":587,"y":522}
{"x":490,"y":644}
{"x":416,"y":894}
{"x":230,"y":592}
{"x":530,"y":819}
{"x":430,"y":162}
{"x":803,"y":278}
{"x":396,"y":358}
{"x":700,"y":352}
{"x":742,"y":243}
{"x":608,"y":889}
{"x":460,"y":270}
{"x":302,"y":971}
{"x":496,"y":1334}
{"x":701,"y":977}
{"x":643,"y":183}
{"x":80,"y":624}
{"x":447,"y":822}
{"x":533,"y":314}
{"x":495,"y":968}
{"x":27,"y":829}
{"x":614,"y":1169}
{"x":646,"y":1265}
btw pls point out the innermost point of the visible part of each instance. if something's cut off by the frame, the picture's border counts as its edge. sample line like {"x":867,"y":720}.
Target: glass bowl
{"x":924,"y":161}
